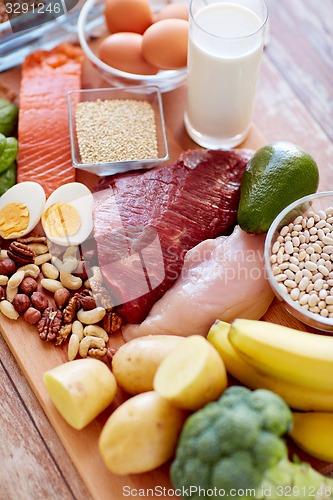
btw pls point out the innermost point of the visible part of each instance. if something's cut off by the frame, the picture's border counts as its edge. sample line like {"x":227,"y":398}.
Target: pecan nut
{"x":71,"y":309}
{"x":49,"y":325}
{"x":33,"y":239}
{"x":112,"y":322}
{"x":20,"y":253}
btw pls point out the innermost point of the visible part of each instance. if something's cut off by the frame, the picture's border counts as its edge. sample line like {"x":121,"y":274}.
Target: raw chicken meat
{"x":222,"y":278}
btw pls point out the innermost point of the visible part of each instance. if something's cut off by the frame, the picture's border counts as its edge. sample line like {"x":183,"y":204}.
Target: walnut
{"x":75,"y":303}
{"x":49,"y":325}
{"x":72,"y":307}
{"x":39,"y":301}
{"x":101,"y":295}
{"x":63,"y":333}
{"x":7,"y":266}
{"x":97,"y":353}
{"x":87,"y":301}
{"x":21,"y":302}
{"x":20,"y":253}
{"x":112,"y":322}
{"x":28,"y":285}
{"x":32,"y":316}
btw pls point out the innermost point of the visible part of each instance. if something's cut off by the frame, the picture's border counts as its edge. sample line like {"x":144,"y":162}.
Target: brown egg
{"x":172,"y":11}
{"x":164,"y":44}
{"x":123,"y":51}
{"x":128,"y":15}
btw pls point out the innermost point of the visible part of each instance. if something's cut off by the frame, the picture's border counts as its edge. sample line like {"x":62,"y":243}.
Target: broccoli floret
{"x":268,"y":450}
{"x":273,"y":410}
{"x":235,"y":443}
{"x":237,"y":469}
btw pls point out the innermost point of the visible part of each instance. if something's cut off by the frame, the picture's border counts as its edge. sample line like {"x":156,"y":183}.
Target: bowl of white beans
{"x":299,"y":259}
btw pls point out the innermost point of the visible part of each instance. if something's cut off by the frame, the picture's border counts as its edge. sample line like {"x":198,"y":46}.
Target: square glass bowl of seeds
{"x":299,"y":259}
{"x":115,"y":130}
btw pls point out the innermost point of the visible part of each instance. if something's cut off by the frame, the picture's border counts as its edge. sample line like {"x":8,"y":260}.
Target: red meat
{"x":144,"y":223}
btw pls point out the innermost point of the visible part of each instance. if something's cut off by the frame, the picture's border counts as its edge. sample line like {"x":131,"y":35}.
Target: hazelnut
{"x":28,"y":285}
{"x":7,"y":266}
{"x":61,"y":297}
{"x":32,"y":315}
{"x":21,"y":302}
{"x":39,"y":301}
{"x":2,"y":292}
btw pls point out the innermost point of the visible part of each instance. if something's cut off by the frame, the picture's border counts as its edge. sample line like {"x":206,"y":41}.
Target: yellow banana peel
{"x":313,"y":433}
{"x":297,"y":357}
{"x":297,"y":396}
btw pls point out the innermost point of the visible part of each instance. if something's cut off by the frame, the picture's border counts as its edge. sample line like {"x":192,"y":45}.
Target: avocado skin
{"x":275,"y":176}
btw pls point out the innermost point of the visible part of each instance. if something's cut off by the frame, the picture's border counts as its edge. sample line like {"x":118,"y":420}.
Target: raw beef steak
{"x":144,"y":223}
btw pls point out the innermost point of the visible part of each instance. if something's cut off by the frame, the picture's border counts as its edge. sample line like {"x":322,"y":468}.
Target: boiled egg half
{"x":67,"y":218}
{"x":20,"y":209}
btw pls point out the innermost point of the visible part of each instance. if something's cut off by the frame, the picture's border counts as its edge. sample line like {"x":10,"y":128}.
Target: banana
{"x":296,"y":396}
{"x":297,"y":357}
{"x":313,"y":433}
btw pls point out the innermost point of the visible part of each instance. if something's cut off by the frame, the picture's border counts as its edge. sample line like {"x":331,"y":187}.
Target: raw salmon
{"x":43,"y":130}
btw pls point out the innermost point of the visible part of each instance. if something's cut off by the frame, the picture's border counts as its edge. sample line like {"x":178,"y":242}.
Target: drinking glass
{"x":226,"y":40}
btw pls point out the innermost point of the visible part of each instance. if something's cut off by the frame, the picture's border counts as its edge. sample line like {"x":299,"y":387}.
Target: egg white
{"x":30,"y":194}
{"x":81,"y":198}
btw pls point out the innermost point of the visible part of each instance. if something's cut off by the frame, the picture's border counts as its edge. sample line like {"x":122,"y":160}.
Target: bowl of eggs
{"x":136,"y":42}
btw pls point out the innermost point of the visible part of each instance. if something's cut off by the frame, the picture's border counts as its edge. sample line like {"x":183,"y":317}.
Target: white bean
{"x":311,"y":266}
{"x":294,"y":294}
{"x":303,"y":283}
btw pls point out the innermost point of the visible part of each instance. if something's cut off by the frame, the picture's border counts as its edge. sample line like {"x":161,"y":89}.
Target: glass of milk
{"x":226,"y":40}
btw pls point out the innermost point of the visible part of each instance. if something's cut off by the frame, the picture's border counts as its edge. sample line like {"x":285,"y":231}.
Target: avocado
{"x":276,"y":175}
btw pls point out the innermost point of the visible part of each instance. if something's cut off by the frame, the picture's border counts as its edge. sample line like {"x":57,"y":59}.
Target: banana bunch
{"x":298,"y":366}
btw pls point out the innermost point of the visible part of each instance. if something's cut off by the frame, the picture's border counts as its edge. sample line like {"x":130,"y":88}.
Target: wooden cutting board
{"x":35,"y":357}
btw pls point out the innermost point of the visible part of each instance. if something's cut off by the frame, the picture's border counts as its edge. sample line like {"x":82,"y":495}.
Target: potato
{"x":141,"y":434}
{"x":80,"y":390}
{"x":134,"y":364}
{"x":192,"y":374}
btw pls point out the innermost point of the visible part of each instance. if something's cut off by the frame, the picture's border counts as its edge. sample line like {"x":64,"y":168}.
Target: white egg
{"x":81,"y":198}
{"x":30,"y":194}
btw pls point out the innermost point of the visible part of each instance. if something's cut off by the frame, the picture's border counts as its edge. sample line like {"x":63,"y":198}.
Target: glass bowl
{"x":132,"y":139}
{"x":91,"y":24}
{"x":303,"y":207}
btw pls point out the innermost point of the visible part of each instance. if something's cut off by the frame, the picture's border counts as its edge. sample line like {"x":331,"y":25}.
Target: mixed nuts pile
{"x":63,"y":296}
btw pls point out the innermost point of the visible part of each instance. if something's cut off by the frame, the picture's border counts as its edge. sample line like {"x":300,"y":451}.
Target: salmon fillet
{"x":43,"y":129}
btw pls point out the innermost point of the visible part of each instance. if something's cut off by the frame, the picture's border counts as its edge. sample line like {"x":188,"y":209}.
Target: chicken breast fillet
{"x":222,"y":278}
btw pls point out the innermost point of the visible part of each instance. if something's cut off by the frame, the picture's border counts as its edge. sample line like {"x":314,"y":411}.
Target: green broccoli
{"x":234,"y":446}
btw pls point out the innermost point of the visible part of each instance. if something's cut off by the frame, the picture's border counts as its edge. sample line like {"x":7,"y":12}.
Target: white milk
{"x":225,"y":48}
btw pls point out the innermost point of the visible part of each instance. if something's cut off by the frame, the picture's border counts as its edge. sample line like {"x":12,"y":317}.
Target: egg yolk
{"x":61,"y":220}
{"x":14,"y":220}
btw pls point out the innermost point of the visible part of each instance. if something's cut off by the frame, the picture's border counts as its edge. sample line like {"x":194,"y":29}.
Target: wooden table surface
{"x":294,"y":103}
